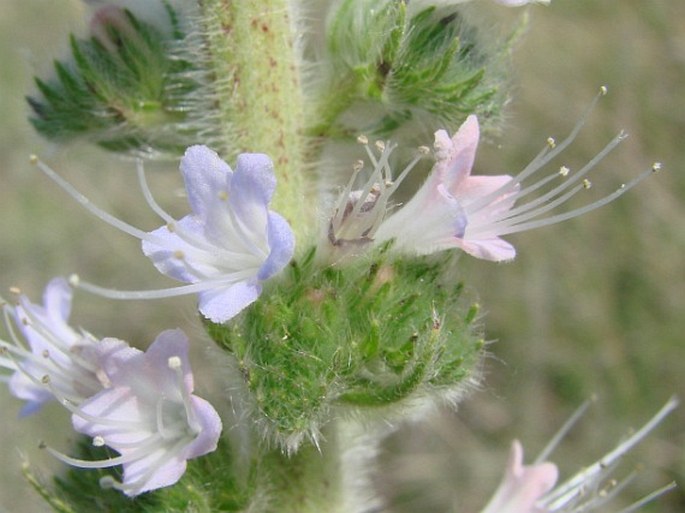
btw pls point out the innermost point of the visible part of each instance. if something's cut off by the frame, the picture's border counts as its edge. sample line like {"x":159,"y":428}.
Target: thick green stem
{"x":333,"y":477}
{"x":260,"y":102}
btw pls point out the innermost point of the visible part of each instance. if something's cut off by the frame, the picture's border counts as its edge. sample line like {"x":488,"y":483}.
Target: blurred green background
{"x":595,"y":306}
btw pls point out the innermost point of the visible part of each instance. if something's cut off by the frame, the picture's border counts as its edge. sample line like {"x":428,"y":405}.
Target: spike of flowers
{"x":531,"y":488}
{"x":53,"y":351}
{"x":227,"y":246}
{"x":456,"y":210}
{"x":149,"y":415}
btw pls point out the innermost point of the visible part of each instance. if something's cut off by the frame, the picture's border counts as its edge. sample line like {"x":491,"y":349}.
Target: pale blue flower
{"x":225,"y":248}
{"x":232,"y":242}
{"x":148,"y":415}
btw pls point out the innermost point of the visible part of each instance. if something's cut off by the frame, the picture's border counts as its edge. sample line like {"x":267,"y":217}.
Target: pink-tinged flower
{"x":531,"y":488}
{"x":225,"y":248}
{"x":454,"y":209}
{"x":53,"y":359}
{"x":523,"y":486}
{"x":148,"y":415}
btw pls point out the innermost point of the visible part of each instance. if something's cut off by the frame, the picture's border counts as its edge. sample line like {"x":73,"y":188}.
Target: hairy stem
{"x":259,"y":100}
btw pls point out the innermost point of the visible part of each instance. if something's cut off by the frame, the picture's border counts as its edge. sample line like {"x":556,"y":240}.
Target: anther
{"x":587,"y":183}
{"x":98,"y":441}
{"x":15,"y":290}
{"x":74,"y":280}
{"x":564,"y":171}
{"x":178,"y":254}
{"x":223,"y":195}
{"x":362,"y":139}
{"x":174,"y":362}
{"x":656,"y":167}
{"x":33,"y":159}
{"x":45,"y":353}
{"x":424,"y":150}
{"x":603,"y":90}
{"x":551,"y":142}
{"x":358,"y":166}
{"x":380,"y":145}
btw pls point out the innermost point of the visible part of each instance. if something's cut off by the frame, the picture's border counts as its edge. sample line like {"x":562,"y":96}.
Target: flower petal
{"x":204,"y":174}
{"x":219,"y":305}
{"x":282,"y":244}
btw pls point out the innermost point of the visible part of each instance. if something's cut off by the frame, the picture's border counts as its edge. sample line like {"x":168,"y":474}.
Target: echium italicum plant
{"x":331,"y":290}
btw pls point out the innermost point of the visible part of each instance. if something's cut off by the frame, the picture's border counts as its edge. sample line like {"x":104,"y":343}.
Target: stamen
{"x":545,"y":156}
{"x":175,"y":364}
{"x":649,"y":498}
{"x":160,"y":293}
{"x":563,"y":431}
{"x":87,"y":204}
{"x":599,"y":468}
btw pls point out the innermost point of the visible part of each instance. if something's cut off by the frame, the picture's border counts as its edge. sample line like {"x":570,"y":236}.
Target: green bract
{"x":389,"y":68}
{"x":381,"y":336}
{"x":130,"y":90}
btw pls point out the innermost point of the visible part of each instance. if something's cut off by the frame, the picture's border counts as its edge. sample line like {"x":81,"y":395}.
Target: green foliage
{"x":383,"y":331}
{"x":127,"y":89}
{"x":208,"y":486}
{"x":404,"y":70}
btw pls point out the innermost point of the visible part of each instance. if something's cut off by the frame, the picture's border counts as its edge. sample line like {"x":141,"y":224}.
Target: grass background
{"x":595,"y":306}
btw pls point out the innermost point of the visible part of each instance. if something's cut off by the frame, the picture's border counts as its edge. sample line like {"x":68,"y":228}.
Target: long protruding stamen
{"x":549,"y":153}
{"x":149,"y":198}
{"x":579,"y":211}
{"x":565,"y":492}
{"x":87,"y":204}
{"x":138,"y":453}
{"x":576,"y":177}
{"x":182,"y":290}
{"x":649,"y":498}
{"x":568,"y":425}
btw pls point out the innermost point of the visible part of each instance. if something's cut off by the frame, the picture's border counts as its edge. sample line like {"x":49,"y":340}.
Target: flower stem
{"x":259,"y":96}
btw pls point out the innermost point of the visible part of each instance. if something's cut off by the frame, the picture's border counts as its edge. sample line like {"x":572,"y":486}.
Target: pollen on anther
{"x":33,"y":159}
{"x":362,"y":139}
{"x":656,"y":167}
{"x":74,"y":280}
{"x":380,"y":145}
{"x":564,"y":171}
{"x":603,"y":90}
{"x":587,"y":183}
{"x":98,"y":441}
{"x":174,"y":362}
{"x":424,"y":150}
{"x":358,"y":166}
{"x":551,"y":142}
{"x":15,"y":290}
